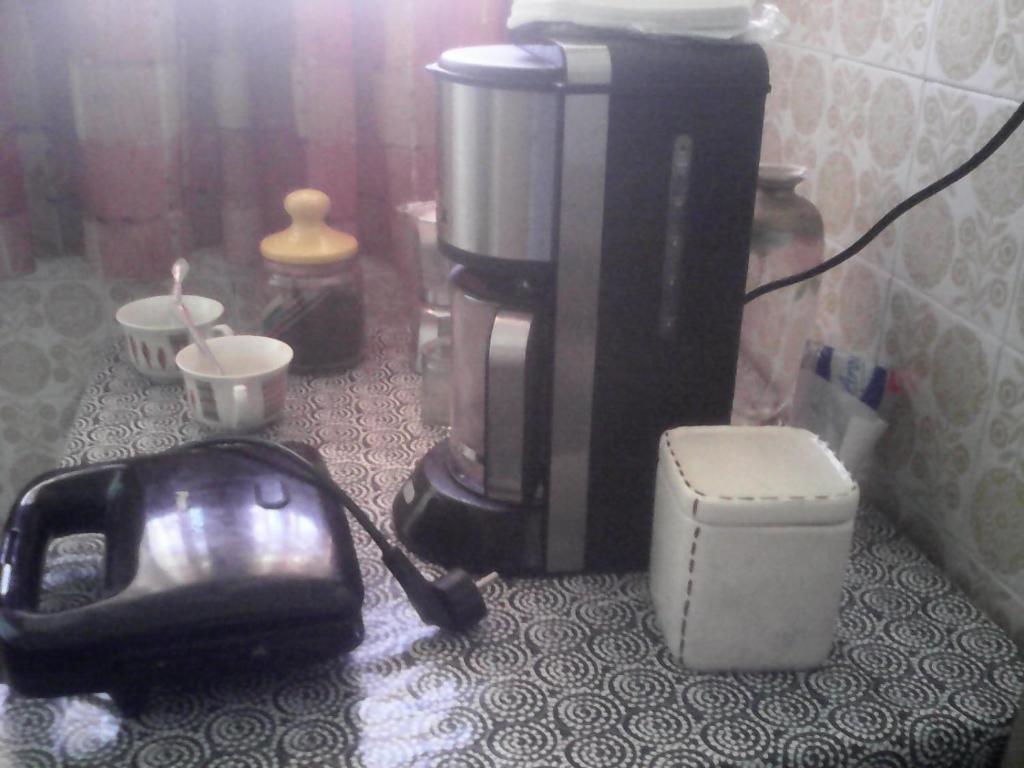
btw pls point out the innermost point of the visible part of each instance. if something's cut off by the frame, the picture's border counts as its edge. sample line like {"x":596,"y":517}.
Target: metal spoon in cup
{"x":178,"y":271}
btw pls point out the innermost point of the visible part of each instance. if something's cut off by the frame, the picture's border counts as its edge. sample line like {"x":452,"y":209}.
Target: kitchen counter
{"x":568,"y":671}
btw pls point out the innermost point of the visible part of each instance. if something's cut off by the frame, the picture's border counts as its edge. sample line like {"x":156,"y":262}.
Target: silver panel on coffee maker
{"x":579,"y":265}
{"x":496,"y":171}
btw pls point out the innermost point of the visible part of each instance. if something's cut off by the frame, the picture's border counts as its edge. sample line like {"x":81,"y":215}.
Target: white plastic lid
{"x":730,"y":467}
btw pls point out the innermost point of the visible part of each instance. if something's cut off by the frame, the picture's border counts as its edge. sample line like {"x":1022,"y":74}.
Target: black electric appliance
{"x":218,"y":556}
{"x":598,"y":195}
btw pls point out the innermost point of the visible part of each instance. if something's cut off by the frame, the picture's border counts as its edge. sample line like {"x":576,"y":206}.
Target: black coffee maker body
{"x":598,"y":196}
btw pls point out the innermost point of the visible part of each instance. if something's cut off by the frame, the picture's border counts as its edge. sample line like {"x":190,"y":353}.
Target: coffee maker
{"x":598,"y":196}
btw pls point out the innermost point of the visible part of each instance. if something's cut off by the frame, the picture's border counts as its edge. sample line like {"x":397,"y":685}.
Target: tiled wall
{"x":879,"y":98}
{"x":54,"y":325}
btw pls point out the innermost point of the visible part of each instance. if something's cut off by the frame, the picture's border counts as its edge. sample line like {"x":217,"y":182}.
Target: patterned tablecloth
{"x":568,"y":671}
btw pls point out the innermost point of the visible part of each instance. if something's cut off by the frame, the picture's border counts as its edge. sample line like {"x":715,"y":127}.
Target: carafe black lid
{"x":522,"y":66}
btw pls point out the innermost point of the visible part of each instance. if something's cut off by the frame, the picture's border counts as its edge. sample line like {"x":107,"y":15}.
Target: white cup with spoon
{"x":154,"y":333}
{"x":248,"y":394}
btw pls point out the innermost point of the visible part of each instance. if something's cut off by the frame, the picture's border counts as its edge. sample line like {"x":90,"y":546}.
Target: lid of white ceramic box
{"x":761,"y":475}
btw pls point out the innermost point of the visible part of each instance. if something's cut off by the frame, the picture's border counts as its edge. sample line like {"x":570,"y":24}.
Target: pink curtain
{"x":15,"y":248}
{"x":188,"y":122}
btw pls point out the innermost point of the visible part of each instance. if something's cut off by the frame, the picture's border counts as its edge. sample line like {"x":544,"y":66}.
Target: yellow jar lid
{"x":309,"y":239}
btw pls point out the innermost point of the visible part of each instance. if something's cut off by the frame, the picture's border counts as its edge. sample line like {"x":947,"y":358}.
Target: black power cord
{"x":452,"y":601}
{"x":949,"y":179}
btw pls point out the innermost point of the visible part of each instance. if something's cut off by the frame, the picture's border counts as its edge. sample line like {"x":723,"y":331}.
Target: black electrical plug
{"x":452,"y":601}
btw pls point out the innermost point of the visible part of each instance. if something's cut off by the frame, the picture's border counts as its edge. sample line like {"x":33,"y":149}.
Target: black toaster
{"x":216,"y":557}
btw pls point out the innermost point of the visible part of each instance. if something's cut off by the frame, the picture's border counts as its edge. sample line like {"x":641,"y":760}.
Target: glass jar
{"x":318,"y":311}
{"x":788,"y":237}
{"x":314,"y":287}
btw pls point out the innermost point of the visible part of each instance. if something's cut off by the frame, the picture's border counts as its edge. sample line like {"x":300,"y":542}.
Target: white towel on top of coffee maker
{"x":704,"y":18}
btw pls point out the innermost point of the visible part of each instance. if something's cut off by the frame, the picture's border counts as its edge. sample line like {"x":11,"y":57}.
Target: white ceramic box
{"x":752,"y":532}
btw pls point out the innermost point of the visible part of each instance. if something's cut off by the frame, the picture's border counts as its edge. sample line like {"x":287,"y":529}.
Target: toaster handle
{"x":61,"y":503}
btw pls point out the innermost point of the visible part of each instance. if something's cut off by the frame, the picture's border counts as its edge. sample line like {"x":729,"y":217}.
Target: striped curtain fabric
{"x":135,"y":132}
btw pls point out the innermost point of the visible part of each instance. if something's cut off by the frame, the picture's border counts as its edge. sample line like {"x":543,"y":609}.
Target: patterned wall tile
{"x":871,"y":121}
{"x":32,"y":431}
{"x":985,"y":558}
{"x":851,"y":307}
{"x":1014,"y":334}
{"x":960,"y":559}
{"x":947,"y":372}
{"x":55,"y":326}
{"x":795,"y":119}
{"x":890,"y":33}
{"x":812,"y":22}
{"x":54,"y":323}
{"x":995,"y":507}
{"x":27,"y":369}
{"x":979,"y":44}
{"x":963,"y":247}
{"x":51,"y":331}
{"x":956,"y":555}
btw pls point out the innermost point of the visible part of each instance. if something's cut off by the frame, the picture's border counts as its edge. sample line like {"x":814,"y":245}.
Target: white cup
{"x":154,"y":334}
{"x":249,"y":394}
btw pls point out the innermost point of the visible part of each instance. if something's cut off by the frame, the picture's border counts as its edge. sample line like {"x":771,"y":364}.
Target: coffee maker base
{"x":443,"y":522}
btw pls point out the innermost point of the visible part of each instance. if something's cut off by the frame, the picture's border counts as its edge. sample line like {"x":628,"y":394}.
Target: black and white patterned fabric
{"x":563,"y":672}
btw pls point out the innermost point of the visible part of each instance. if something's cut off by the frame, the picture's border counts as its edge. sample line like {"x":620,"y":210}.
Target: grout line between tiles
{"x":918,"y":131}
{"x":985,"y":416}
{"x":884,"y":318}
{"x":851,"y":60}
{"x":970,"y":89}
{"x":933,"y":13}
{"x":905,"y":73}
{"x":1016,"y":299}
{"x":984,"y":332}
{"x":1016,"y":308}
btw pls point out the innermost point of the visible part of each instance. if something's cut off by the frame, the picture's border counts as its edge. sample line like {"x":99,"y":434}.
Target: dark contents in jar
{"x":324,"y":328}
